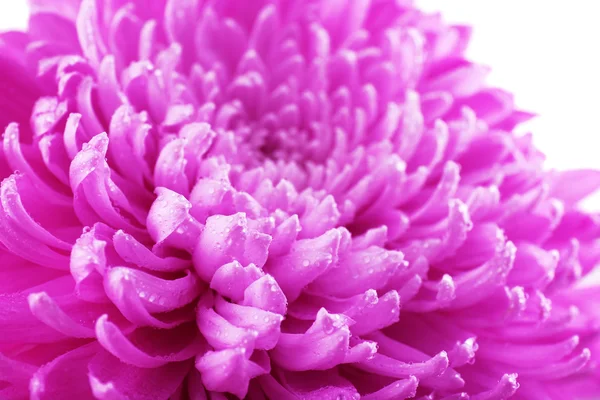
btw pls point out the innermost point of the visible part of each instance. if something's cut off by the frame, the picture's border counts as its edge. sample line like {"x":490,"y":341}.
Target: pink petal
{"x":111,"y":379}
{"x":162,"y":352}
{"x":231,"y":370}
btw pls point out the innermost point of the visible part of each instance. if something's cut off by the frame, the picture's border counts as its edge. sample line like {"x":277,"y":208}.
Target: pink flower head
{"x":280,"y":199}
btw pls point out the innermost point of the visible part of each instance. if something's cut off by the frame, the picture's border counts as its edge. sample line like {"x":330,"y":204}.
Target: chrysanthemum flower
{"x":287,"y":199}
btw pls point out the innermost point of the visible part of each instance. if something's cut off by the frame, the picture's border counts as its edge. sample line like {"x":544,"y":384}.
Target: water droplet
{"x":273,"y":288}
{"x":152,"y":298}
{"x":142,"y":295}
{"x":306,"y":263}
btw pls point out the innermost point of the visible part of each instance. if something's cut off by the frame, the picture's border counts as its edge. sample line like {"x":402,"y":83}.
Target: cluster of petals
{"x":280,"y":199}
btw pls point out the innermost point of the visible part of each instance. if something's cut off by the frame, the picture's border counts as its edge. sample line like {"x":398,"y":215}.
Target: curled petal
{"x":170,"y":168}
{"x":359,"y":271}
{"x":324,"y":345}
{"x":95,"y":194}
{"x":537,"y":355}
{"x":220,"y":333}
{"x":47,"y":311}
{"x":170,"y":223}
{"x":125,"y":294}
{"x":163,"y":350}
{"x":111,"y":379}
{"x":474,"y":285}
{"x":161,"y":295}
{"x":88,"y":263}
{"x":232,"y":279}
{"x":16,"y":160}
{"x":533,"y":266}
{"x":228,"y":238}
{"x":284,"y":236}
{"x":128,"y":135}
{"x":401,"y":389}
{"x":264,"y":324}
{"x":506,"y":387}
{"x":387,"y":366}
{"x":307,"y":260}
{"x":132,"y":251}
{"x":22,"y":235}
{"x":231,"y":370}
{"x":433,"y":372}
{"x":561,"y":369}
{"x":265,"y":293}
{"x":88,"y":32}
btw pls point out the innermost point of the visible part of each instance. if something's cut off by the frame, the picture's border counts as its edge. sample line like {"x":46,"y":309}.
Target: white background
{"x":545,"y":51}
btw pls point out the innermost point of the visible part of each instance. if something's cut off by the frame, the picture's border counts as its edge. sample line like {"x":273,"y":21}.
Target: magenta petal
{"x":161,"y":295}
{"x":46,"y":310}
{"x":112,"y":379}
{"x":95,"y":194}
{"x":13,"y":151}
{"x":170,"y":168}
{"x":264,"y":324}
{"x":89,"y":32}
{"x":396,"y":369}
{"x":221,"y":334}
{"x":315,"y":385}
{"x":132,"y":251}
{"x":226,"y":238}
{"x":232,"y":279}
{"x":231,"y":370}
{"x":26,"y":238}
{"x":265,"y":293}
{"x":20,"y":325}
{"x":324,"y":345}
{"x":359,"y":271}
{"x":507,"y":386}
{"x":114,"y":341}
{"x":474,"y":285}
{"x":126,"y":296}
{"x":15,"y":375}
{"x":404,"y":388}
{"x":66,"y":375}
{"x":169,"y":221}
{"x":128,"y":134}
{"x":88,"y":261}
{"x":308,"y":259}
